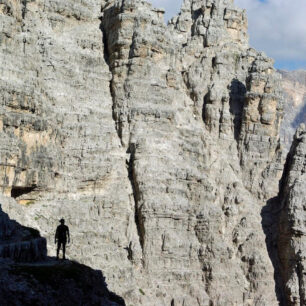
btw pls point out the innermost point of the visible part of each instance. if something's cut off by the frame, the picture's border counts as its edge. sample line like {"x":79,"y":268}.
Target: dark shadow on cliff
{"x":30,"y":277}
{"x":237,"y":100}
{"x":270,"y":218}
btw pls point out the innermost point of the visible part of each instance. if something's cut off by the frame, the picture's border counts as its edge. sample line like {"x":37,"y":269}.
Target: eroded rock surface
{"x":158,"y":144}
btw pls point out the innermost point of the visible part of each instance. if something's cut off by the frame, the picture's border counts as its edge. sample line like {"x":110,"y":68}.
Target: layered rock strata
{"x":158,"y":144}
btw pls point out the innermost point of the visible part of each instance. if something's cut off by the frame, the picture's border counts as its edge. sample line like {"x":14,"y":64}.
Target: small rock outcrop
{"x":292,"y":227}
{"x":20,"y":243}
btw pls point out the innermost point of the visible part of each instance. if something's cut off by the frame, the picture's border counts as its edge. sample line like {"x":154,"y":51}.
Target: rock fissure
{"x":138,"y":217}
{"x":119,"y":119}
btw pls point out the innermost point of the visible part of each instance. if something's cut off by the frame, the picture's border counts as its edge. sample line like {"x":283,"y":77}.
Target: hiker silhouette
{"x":61,"y":235}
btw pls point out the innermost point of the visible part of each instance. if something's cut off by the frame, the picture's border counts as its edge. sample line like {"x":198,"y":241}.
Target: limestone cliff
{"x":159,"y":144}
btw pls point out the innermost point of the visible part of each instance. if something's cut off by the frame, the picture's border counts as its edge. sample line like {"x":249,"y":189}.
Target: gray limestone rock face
{"x":159,"y":144}
{"x":292,"y":227}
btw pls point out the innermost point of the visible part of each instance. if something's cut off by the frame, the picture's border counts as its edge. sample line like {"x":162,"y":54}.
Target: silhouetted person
{"x":61,"y":235}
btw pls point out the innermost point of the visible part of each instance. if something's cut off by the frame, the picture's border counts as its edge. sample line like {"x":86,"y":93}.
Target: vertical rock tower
{"x":291,"y":244}
{"x":157,"y":143}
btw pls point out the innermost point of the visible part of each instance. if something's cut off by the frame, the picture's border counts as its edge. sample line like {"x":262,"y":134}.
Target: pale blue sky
{"x":277,"y":27}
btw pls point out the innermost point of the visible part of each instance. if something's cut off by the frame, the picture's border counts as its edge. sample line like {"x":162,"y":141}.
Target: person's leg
{"x":58,"y":249}
{"x":64,"y":249}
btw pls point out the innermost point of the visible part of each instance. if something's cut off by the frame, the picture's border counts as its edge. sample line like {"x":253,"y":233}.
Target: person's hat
{"x":62,"y":220}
